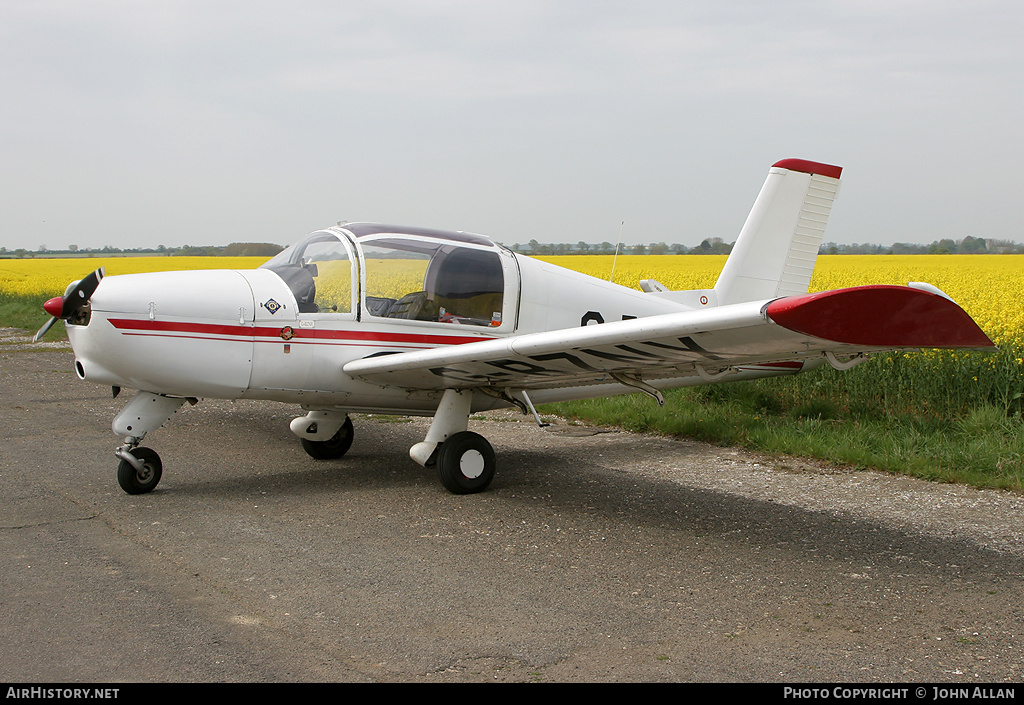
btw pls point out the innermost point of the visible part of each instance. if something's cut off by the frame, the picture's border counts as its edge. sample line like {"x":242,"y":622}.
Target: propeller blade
{"x":42,"y":331}
{"x":81,"y":293}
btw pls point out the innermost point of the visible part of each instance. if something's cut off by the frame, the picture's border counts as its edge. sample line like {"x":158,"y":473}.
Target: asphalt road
{"x":593,"y":557}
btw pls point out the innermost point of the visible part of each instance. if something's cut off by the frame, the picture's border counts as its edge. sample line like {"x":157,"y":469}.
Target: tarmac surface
{"x":596,"y":555}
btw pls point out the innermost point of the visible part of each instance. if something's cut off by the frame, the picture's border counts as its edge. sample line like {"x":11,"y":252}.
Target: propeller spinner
{"x":75,"y":298}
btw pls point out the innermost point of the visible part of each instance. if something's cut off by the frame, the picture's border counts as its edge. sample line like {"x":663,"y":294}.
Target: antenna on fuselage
{"x":616,"y":257}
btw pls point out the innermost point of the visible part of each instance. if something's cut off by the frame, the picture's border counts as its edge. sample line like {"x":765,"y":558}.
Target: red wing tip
{"x":807,"y":167}
{"x":880,"y":316}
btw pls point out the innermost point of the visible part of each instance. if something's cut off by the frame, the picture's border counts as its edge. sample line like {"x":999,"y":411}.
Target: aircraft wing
{"x":778,"y":334}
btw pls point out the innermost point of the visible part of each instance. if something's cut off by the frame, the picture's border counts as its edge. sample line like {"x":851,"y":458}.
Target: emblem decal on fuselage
{"x":272,"y":306}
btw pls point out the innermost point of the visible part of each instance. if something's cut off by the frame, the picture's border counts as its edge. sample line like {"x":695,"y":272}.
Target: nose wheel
{"x":139,"y":471}
{"x":140,"y":468}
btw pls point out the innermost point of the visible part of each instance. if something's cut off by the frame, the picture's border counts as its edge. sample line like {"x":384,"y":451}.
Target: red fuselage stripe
{"x":309,"y":334}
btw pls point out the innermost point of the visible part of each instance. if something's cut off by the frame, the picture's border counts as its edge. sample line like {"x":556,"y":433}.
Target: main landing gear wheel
{"x":143,"y":480}
{"x":334,"y":447}
{"x":465,"y":463}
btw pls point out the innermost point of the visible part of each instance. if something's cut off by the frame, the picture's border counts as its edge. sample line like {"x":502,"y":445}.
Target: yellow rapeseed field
{"x":46,"y":278}
{"x":986,"y":286}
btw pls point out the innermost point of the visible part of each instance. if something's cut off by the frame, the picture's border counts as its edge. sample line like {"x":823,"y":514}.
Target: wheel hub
{"x":472,"y":464}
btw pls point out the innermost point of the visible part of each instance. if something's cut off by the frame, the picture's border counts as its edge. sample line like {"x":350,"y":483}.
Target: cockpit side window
{"x":426,"y":280}
{"x":468,"y":286}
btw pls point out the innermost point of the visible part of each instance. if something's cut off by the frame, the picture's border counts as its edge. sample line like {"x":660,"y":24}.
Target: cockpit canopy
{"x":405,"y":273}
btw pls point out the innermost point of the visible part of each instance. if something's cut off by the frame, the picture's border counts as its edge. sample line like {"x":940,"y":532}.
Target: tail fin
{"x":778,"y":245}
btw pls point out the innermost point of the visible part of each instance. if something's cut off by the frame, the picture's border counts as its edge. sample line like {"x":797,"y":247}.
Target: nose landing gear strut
{"x":140,"y":468}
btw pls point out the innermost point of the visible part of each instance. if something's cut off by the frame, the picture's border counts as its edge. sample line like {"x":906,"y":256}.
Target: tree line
{"x":709,"y":246}
{"x":235,"y":249}
{"x":947,"y":246}
{"x":716,"y":246}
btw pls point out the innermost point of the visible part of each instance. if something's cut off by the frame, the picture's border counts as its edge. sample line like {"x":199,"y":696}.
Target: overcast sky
{"x":136,"y":124}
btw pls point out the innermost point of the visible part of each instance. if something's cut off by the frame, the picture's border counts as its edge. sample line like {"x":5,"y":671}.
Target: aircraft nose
{"x":185,"y":333}
{"x":75,"y":299}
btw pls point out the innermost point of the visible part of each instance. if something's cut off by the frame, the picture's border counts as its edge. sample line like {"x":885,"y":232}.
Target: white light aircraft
{"x":374,"y":318}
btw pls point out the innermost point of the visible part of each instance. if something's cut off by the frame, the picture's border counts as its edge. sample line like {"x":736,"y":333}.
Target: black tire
{"x":333,"y":448}
{"x":465,"y":463}
{"x":142,"y":481}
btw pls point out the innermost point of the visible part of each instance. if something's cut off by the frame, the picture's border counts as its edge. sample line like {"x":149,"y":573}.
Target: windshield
{"x":318,"y":269}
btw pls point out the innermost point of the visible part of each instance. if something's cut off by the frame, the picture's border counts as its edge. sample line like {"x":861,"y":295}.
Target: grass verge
{"x":27,"y":313}
{"x":982,"y":445}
